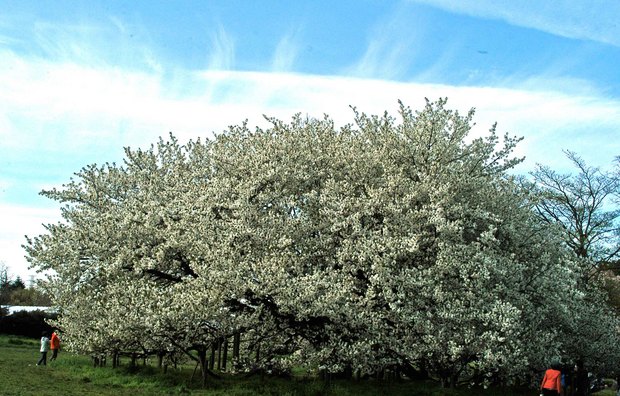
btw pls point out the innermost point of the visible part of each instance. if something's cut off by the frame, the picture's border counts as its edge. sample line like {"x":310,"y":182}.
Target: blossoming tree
{"x":386,"y":244}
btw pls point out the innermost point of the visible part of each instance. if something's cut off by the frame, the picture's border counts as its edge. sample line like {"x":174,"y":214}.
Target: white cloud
{"x":18,"y":221}
{"x":89,"y":104}
{"x":595,"y":20}
{"x":68,"y":108}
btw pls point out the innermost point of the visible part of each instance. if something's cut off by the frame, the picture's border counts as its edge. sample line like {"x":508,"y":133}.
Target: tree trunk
{"x":236,"y":347}
{"x":219,"y":354}
{"x":347,"y":373}
{"x":454,"y":379}
{"x":224,"y":353}
{"x":203,"y":362}
{"x":257,"y":353}
{"x":212,"y":357}
{"x":415,"y":373}
{"x":449,"y":379}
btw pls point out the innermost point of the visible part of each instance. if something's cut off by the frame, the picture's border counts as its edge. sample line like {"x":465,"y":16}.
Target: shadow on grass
{"x":75,"y":375}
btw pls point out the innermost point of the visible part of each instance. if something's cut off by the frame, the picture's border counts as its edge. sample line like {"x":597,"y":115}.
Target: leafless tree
{"x":582,"y":204}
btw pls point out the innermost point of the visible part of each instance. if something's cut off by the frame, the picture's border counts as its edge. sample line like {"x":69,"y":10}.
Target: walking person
{"x":45,"y":347}
{"x":551,"y":384}
{"x":54,"y":345}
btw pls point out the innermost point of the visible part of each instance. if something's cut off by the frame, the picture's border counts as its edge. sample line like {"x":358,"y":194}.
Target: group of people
{"x":564,"y":382}
{"x":47,"y":344}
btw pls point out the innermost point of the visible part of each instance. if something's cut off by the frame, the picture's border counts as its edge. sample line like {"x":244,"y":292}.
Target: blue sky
{"x":79,"y":80}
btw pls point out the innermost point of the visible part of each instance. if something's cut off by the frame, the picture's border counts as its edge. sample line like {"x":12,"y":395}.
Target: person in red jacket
{"x":551,"y":384}
{"x":54,"y":345}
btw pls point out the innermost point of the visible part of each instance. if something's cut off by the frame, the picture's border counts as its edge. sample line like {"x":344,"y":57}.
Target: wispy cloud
{"x":77,"y":42}
{"x":6,"y":40}
{"x":285,"y":54}
{"x":222,"y":50}
{"x":391,"y":47}
{"x":579,"y":19}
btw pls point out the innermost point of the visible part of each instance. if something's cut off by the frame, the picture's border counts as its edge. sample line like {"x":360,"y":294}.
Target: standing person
{"x":582,"y":382}
{"x":567,"y":380}
{"x":551,"y":384}
{"x":54,"y":345}
{"x":45,"y":346}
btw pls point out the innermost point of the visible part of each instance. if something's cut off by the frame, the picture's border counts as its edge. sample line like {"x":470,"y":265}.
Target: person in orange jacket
{"x":54,"y":345}
{"x":551,"y":384}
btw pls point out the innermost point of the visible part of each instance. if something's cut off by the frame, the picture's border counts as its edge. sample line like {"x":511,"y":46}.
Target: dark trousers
{"x":43,"y":359}
{"x":550,"y":392}
{"x":54,"y":354}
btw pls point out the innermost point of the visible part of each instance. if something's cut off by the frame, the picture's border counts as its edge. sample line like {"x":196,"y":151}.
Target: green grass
{"x":606,"y":392}
{"x":74,"y":375}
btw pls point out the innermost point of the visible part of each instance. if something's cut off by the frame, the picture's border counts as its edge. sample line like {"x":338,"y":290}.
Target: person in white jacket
{"x":45,"y":347}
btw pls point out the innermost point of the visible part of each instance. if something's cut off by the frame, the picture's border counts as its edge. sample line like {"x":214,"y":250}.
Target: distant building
{"x":28,"y":308}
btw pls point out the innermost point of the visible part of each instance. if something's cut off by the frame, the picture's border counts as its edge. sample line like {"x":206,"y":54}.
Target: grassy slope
{"x":74,"y":375}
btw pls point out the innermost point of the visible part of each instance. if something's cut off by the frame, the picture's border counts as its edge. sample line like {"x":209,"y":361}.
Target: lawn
{"x":74,"y":375}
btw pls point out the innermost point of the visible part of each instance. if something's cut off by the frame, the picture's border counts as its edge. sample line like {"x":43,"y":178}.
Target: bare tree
{"x":582,"y":205}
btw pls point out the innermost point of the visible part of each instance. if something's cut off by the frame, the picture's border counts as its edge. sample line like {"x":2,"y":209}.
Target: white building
{"x":27,"y":308}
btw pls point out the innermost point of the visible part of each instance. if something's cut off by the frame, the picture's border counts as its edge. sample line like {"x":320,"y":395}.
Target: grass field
{"x":74,"y":375}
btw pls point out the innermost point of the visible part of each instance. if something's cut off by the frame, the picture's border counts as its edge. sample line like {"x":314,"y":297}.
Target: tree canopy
{"x":390,"y":243}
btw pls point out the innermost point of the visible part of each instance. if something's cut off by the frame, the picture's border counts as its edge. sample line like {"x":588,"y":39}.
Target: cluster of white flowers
{"x":399,"y":245}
